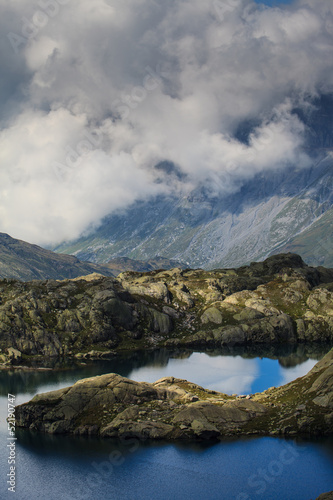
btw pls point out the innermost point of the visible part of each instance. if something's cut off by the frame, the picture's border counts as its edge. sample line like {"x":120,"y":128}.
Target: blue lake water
{"x":59,"y":467}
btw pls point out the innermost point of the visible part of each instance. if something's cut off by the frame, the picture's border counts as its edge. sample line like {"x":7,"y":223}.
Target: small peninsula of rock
{"x":171,"y":409}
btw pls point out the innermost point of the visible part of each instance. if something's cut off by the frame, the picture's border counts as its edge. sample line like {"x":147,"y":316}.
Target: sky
{"x":95,"y":94}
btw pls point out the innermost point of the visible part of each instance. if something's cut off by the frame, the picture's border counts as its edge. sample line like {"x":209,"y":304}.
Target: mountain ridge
{"x":25,"y":261}
{"x":268,"y":215}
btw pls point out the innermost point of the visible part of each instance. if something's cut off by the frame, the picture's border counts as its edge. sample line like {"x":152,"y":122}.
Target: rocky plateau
{"x":278,"y":301}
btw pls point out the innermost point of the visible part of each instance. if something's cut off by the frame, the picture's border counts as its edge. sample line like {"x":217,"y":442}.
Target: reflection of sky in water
{"x":222,"y":373}
{"x":229,"y":374}
{"x":290,"y":374}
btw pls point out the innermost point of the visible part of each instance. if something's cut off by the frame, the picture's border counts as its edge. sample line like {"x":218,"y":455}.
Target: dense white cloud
{"x":94,"y":94}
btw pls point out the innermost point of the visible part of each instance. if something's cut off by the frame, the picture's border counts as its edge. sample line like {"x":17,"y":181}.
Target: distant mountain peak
{"x":25,"y":261}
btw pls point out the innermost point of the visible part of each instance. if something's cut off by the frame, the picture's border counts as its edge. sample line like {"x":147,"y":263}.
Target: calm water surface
{"x":58,"y":467}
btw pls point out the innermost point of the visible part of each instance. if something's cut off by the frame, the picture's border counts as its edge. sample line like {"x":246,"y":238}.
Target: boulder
{"x":14,"y":355}
{"x":212,"y":315}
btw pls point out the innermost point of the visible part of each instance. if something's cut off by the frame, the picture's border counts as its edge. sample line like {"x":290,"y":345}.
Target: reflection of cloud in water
{"x":290,"y":374}
{"x":222,"y":373}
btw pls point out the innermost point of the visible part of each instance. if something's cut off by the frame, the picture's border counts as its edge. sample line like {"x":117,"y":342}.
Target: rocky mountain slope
{"x":23,"y":261}
{"x":269,"y":214}
{"x":315,"y":242}
{"x":280,"y":300}
{"x":113,"y":406}
{"x":119,"y":264}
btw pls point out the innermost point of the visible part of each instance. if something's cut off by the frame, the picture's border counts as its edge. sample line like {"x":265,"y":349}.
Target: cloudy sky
{"x":95,"y":94}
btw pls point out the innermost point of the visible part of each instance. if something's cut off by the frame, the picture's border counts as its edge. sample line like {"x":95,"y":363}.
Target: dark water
{"x":58,"y":467}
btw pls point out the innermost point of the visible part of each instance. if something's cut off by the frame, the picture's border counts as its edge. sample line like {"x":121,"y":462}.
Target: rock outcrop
{"x":113,"y":406}
{"x":280,"y":300}
{"x":326,"y":496}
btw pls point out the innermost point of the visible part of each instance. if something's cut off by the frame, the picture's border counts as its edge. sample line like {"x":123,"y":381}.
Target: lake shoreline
{"x":177,"y":409}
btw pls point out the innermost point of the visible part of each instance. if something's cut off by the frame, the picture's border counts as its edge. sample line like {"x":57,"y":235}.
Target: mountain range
{"x":285,"y":210}
{"x":25,"y":262}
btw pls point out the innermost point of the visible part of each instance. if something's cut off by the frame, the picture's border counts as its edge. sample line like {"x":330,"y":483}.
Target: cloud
{"x":94,"y":95}
{"x":60,"y":178}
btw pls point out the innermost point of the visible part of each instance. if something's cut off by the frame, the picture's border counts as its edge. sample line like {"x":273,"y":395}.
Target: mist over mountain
{"x":286,"y":211}
{"x":276,"y":211}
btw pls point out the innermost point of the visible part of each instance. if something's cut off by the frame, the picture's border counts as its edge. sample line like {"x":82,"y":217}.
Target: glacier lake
{"x":67,"y":468}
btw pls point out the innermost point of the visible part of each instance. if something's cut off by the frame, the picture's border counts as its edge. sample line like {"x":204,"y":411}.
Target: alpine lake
{"x":52,"y":467}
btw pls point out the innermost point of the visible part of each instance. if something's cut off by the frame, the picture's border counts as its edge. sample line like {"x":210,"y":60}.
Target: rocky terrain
{"x":282,"y":211}
{"x":278,"y":301}
{"x":113,"y":406}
